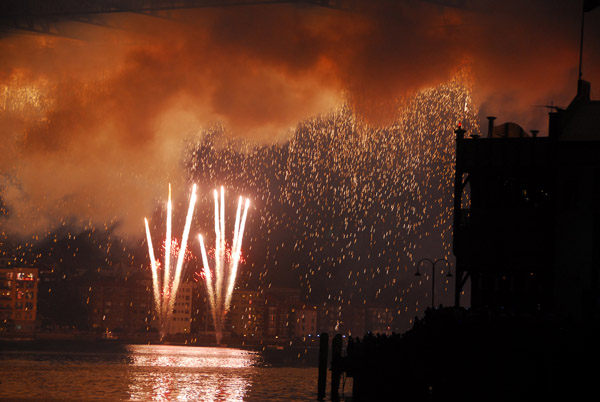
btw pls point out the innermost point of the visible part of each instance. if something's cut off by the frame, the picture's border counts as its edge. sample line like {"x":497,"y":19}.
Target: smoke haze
{"x":94,"y":122}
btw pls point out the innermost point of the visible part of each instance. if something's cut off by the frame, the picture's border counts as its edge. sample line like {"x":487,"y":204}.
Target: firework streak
{"x":220,"y":288}
{"x":165,"y":288}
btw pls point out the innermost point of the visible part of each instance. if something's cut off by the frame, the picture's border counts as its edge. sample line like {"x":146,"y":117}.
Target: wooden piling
{"x":336,"y":366}
{"x":323,"y":352}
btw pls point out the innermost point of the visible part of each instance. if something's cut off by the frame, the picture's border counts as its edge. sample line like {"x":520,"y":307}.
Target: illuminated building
{"x":271,"y":327}
{"x":305,"y":321}
{"x":526,"y":215}
{"x":181,"y":318}
{"x":245,"y":316}
{"x":18,"y":299}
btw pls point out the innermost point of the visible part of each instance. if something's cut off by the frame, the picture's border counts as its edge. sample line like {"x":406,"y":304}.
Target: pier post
{"x":336,"y":366}
{"x":323,"y":352}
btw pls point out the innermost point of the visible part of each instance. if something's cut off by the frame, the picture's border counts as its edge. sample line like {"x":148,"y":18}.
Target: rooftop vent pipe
{"x":490,"y":126}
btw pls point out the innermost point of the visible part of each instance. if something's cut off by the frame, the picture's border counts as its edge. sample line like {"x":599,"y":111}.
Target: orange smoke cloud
{"x":96,"y":120}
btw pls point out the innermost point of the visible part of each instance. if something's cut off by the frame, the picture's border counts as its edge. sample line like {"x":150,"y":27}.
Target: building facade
{"x":305,"y":323}
{"x":121,"y":306}
{"x":279,"y":312}
{"x":181,"y":318}
{"x":246,"y":314}
{"x":18,"y":299}
{"x":379,"y":320}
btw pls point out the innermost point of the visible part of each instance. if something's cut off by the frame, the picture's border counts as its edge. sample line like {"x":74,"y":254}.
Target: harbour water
{"x":149,"y":373}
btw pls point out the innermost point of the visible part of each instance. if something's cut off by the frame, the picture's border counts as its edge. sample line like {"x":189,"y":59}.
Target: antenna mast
{"x":581,"y":37}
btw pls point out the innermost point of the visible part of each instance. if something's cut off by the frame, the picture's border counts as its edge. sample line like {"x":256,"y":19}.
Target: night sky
{"x":337,"y":124}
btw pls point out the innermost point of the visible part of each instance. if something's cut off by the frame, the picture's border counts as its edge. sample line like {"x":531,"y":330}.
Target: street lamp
{"x":433,"y":274}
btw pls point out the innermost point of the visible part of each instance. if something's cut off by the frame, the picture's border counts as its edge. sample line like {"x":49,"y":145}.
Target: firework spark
{"x":165,"y":290}
{"x":219,"y":292}
{"x":347,"y":208}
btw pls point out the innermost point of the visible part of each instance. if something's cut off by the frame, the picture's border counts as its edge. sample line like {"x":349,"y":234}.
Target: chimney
{"x":553,"y":124}
{"x":583,"y":90}
{"x":490,"y":126}
{"x":460,"y":132}
{"x":534,"y":133}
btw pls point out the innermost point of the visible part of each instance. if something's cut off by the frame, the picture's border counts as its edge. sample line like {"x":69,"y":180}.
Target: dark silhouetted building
{"x":379,"y":320}
{"x":279,"y":312}
{"x":122,"y":306}
{"x":527,"y":216}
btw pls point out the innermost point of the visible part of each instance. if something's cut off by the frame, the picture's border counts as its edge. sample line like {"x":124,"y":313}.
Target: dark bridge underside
{"x":43,"y":16}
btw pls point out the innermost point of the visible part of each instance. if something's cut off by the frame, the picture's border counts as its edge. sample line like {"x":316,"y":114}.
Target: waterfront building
{"x":245,"y":316}
{"x":305,"y":322}
{"x":379,"y":320}
{"x":181,"y":318}
{"x":121,"y":306}
{"x":18,"y":298}
{"x":279,"y":312}
{"x":271,"y":322}
{"x":201,"y":316}
{"x":330,"y":318}
{"x":354,"y":320}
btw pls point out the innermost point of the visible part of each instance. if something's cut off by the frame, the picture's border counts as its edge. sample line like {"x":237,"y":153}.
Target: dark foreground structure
{"x":527,"y":236}
{"x":457,"y":354}
{"x":527,"y":214}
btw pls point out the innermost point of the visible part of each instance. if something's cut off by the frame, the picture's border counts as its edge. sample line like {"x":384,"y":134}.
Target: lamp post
{"x":433,"y":274}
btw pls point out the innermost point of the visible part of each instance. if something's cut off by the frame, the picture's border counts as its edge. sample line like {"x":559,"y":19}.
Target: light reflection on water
{"x":182,"y":356}
{"x":175,"y":373}
{"x":149,"y":373}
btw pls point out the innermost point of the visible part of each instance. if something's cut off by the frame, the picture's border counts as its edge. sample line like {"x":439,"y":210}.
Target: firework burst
{"x":165,"y":288}
{"x":226,"y":261}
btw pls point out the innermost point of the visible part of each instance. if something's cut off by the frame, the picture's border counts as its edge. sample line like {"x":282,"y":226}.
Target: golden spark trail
{"x":237,"y":223}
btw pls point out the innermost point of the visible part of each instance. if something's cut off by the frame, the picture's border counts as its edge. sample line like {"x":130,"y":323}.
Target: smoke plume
{"x":94,"y":121}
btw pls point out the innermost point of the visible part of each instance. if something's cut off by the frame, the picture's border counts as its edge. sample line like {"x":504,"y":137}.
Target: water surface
{"x":149,"y":373}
